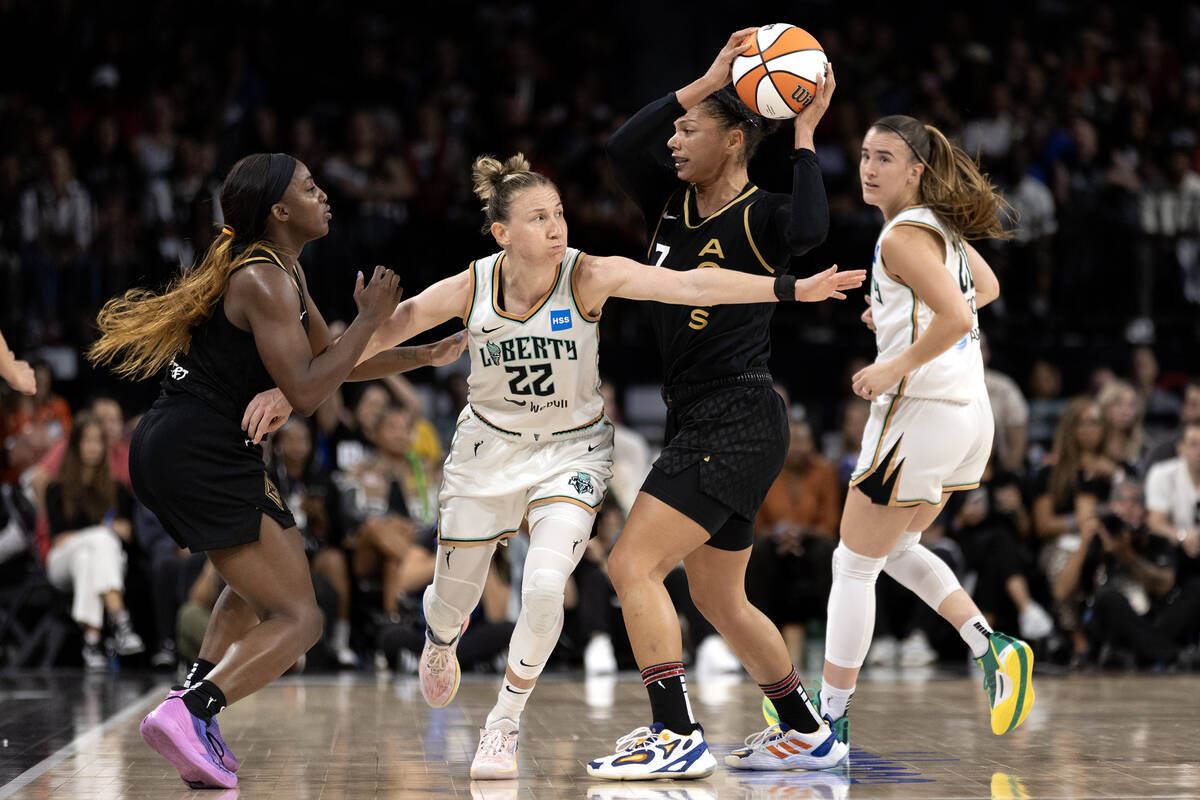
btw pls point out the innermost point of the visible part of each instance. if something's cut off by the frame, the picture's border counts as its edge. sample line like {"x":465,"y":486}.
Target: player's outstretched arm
{"x":614,"y":276}
{"x":446,"y":299}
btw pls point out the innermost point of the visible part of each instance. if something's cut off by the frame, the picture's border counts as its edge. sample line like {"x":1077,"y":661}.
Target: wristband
{"x":785,"y":288}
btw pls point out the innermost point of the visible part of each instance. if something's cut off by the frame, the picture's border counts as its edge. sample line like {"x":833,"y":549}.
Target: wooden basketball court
{"x":913,"y":735}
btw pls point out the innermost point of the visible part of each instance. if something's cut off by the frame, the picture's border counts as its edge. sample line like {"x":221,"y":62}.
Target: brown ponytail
{"x":952,"y":185}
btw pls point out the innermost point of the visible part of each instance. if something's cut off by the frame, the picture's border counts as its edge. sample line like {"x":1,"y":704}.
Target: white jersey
{"x":535,"y":375}
{"x":900,"y":317}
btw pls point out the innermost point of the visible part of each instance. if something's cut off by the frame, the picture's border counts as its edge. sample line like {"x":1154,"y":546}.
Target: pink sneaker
{"x":228,"y":759}
{"x":439,"y":669}
{"x":172,"y":731}
{"x":496,"y":757}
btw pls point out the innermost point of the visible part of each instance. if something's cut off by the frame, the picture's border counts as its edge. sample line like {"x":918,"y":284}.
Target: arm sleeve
{"x":640,"y":158}
{"x":793,"y":228}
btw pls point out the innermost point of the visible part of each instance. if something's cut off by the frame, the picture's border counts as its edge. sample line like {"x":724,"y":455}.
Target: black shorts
{"x":192,"y":467}
{"x":724,"y":448}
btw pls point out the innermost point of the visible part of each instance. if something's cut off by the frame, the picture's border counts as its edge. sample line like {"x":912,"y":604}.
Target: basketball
{"x":777,"y":75}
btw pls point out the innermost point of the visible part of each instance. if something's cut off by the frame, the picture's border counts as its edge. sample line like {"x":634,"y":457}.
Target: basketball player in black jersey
{"x":683,"y":160}
{"x":235,"y":325}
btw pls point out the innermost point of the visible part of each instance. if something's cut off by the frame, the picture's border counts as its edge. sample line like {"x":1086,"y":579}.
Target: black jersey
{"x":222,"y":366}
{"x":756,"y":232}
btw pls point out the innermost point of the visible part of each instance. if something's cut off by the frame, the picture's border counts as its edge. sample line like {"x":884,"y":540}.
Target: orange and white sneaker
{"x":439,"y":669}
{"x":496,"y":756}
{"x":780,"y":747}
{"x":655,"y":752}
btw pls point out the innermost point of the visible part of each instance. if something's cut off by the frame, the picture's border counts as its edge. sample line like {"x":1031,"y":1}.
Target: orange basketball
{"x":777,"y":75}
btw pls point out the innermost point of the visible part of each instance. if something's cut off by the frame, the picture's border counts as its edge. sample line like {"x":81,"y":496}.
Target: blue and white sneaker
{"x":779,"y":747}
{"x":655,"y":752}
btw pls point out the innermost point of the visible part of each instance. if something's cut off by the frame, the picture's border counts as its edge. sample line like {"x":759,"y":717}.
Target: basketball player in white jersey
{"x":930,"y":429}
{"x":533,"y":442}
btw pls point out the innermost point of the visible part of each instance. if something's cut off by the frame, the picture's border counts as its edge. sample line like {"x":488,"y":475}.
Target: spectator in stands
{"x":1011,"y":414}
{"x":1065,"y":498}
{"x":1125,"y":439}
{"x":1127,"y":578}
{"x":1173,"y":500}
{"x":89,"y":519}
{"x":1169,"y":447}
{"x":309,"y":491}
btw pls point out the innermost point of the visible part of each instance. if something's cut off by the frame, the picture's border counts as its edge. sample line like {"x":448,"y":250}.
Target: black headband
{"x":897,"y":131}
{"x":280,"y":169}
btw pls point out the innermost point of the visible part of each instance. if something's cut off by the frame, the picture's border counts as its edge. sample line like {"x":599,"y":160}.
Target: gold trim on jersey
{"x":657,"y":225}
{"x":562,"y":498}
{"x":750,"y":239}
{"x":887,"y":420}
{"x":580,"y":427}
{"x":686,"y":215}
{"x":575,"y":295}
{"x":471,"y":303}
{"x":491,"y":424}
{"x":536,"y":306}
{"x":277,"y":261}
{"x":957,"y":487}
{"x":473,"y":542}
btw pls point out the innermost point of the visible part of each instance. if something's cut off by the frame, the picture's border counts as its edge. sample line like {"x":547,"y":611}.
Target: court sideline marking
{"x":70,"y":748}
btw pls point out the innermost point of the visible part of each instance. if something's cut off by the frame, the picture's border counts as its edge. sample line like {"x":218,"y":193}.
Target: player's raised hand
{"x":806,"y":121}
{"x":377,"y":299}
{"x":827,"y":284}
{"x":721,"y":71}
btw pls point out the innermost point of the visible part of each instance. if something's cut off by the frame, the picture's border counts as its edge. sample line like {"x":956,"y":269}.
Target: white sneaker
{"x":126,"y":642}
{"x":346,"y":658}
{"x":598,"y":656}
{"x":916,"y":652}
{"x":94,"y":658}
{"x":655,"y":752}
{"x":439,"y":669}
{"x":883,"y":652}
{"x":1035,"y":622}
{"x":496,"y":756}
{"x":713,"y":657}
{"x":774,"y":749}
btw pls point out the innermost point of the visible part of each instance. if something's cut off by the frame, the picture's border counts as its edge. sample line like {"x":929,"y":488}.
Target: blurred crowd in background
{"x":114,"y":140}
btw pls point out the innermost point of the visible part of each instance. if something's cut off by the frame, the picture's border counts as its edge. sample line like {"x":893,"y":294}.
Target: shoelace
{"x":634,"y":738}
{"x":493,"y":743}
{"x":770,"y":733}
{"x":439,"y":658}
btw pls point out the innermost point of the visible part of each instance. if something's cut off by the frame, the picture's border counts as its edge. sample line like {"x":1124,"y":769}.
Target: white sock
{"x":510,"y":702}
{"x":834,"y":701}
{"x":977,"y":634}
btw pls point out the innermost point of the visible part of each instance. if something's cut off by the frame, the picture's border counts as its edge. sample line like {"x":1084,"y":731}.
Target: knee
{"x":542,"y":600}
{"x":851,"y":566}
{"x":311,"y":625}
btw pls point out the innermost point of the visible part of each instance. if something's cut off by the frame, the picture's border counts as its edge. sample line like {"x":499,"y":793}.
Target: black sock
{"x":196,"y":673}
{"x":668,"y":697}
{"x":792,"y":703}
{"x":204,"y":700}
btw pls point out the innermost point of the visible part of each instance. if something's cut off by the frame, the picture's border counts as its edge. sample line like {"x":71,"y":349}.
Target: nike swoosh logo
{"x":514,"y":691}
{"x":592,"y":447}
{"x":492,"y":330}
{"x":670,"y":216}
{"x":516,"y":402}
{"x":523,"y":664}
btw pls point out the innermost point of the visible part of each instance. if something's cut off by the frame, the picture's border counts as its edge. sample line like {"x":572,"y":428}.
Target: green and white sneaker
{"x":841,"y":725}
{"x":1008,"y":680}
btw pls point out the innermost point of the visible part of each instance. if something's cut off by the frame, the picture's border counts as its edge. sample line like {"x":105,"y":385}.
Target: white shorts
{"x":915,"y":449}
{"x":491,"y":479}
